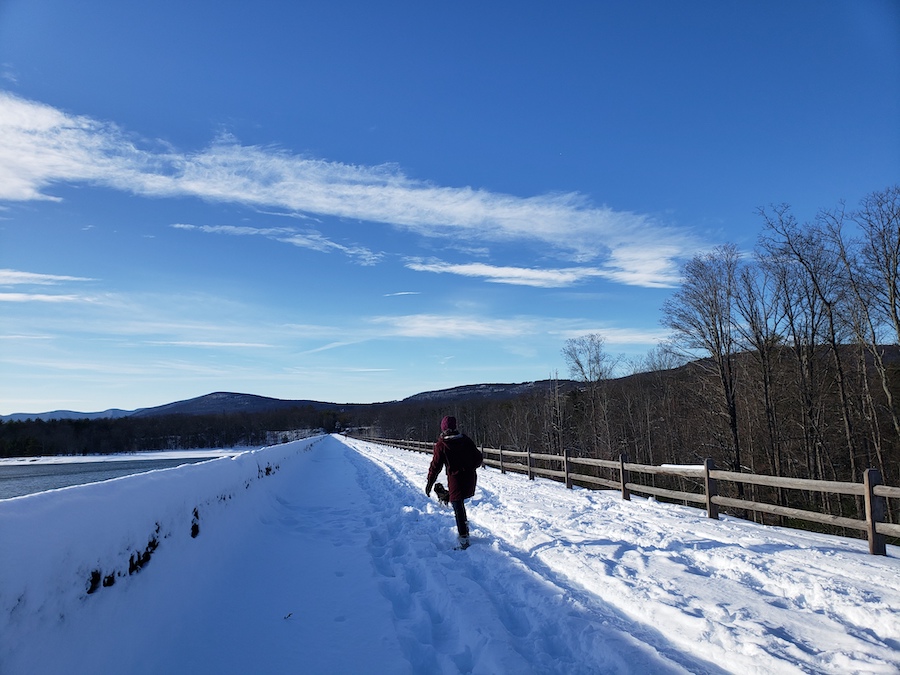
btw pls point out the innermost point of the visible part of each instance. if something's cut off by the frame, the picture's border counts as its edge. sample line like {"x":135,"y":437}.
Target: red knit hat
{"x":448,"y":423}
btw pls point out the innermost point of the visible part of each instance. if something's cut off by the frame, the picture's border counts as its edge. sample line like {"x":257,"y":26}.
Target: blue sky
{"x":357,"y":201}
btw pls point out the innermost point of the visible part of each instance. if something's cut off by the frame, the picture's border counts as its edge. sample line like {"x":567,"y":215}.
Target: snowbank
{"x":59,"y":546}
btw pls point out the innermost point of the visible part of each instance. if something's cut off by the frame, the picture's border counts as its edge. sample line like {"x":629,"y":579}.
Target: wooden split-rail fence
{"x":873,"y":493}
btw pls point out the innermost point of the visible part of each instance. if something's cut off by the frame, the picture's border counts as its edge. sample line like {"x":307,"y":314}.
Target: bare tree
{"x":760,"y":328}
{"x":879,"y":220}
{"x":810,"y":249}
{"x":803,"y":325}
{"x":649,"y":405}
{"x":871,"y":267}
{"x":554,"y":418}
{"x":702,"y":315}
{"x":590,"y":364}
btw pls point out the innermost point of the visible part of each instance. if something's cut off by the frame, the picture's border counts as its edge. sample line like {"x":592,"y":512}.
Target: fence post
{"x":566,"y":468}
{"x":712,"y":489}
{"x":530,"y":472}
{"x":623,"y":477}
{"x":502,"y":468}
{"x":874,"y":512}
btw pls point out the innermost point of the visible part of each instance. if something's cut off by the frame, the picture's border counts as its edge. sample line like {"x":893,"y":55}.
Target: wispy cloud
{"x":8,"y":73}
{"x":309,"y":239}
{"x":394,"y":295}
{"x":520,"y":276}
{"x":646,"y":263}
{"x":235,"y":230}
{"x":453,"y":326}
{"x":42,"y":297}
{"x":616,"y":336}
{"x":15,"y":277}
{"x":448,"y":326}
{"x":41,"y":146}
{"x":329,"y":346}
{"x":317,"y":242}
{"x":212,"y":344}
{"x":9,"y":277}
{"x":635,"y":266}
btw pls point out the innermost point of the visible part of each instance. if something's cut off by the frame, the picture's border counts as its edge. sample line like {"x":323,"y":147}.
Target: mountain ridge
{"x":223,"y":402}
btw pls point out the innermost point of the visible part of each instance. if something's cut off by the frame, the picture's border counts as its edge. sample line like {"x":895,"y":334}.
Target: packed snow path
{"x":339,"y":563}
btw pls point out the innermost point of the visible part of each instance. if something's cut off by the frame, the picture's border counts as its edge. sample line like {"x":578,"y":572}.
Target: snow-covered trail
{"x":488,"y":609}
{"x":339,"y":563}
{"x":746,"y":597}
{"x":338,"y":573}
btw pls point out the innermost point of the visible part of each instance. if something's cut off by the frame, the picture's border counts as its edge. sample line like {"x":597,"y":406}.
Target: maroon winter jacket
{"x":461,"y":456}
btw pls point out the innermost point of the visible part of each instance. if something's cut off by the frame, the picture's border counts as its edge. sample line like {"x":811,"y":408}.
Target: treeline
{"x":799,"y":376}
{"x":679,"y":416}
{"x":676,"y":415}
{"x":31,"y":438}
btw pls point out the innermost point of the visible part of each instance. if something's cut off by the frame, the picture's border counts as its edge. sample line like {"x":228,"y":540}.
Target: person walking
{"x":460,"y":456}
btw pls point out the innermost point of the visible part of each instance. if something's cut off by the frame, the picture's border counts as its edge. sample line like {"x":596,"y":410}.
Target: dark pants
{"x":462,"y":522}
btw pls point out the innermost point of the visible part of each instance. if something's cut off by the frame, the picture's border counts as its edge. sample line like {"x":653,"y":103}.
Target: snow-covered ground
{"x":325,"y":556}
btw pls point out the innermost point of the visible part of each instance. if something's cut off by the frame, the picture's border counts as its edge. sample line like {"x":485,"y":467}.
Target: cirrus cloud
{"x":309,"y":239}
{"x":442,"y":326}
{"x":41,"y":146}
{"x":41,"y":297}
{"x":520,"y":276}
{"x":10,"y":277}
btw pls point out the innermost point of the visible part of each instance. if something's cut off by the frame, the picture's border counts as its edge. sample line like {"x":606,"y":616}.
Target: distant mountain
{"x":221,"y":402}
{"x":66,"y":415}
{"x":490,"y":391}
{"x":211,"y":404}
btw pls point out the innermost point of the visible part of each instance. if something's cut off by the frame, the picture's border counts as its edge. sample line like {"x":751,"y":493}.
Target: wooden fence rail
{"x":873,"y":492}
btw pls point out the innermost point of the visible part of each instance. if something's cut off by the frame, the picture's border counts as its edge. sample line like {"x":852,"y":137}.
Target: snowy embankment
{"x":333,"y":560}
